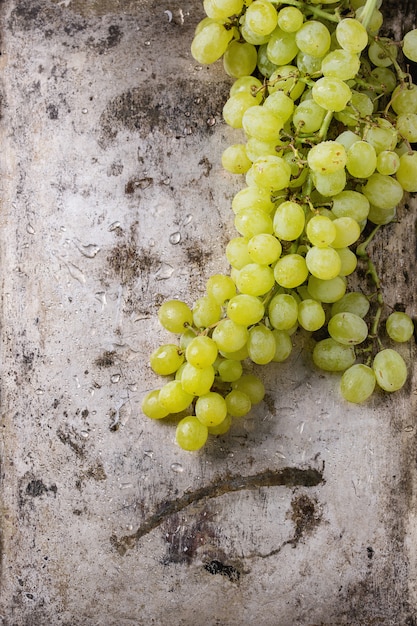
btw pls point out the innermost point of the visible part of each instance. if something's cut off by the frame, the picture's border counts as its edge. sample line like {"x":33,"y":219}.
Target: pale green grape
{"x":347,"y":138}
{"x":281,"y":47}
{"x":327,"y":157}
{"x":151,"y":406}
{"x":283,"y":345}
{"x":308,"y":64}
{"x":173,"y":397}
{"x":326,"y":290}
{"x":289,"y":220}
{"x":264,"y":65}
{"x":201,"y":352}
{"x":166,"y":359}
{"x":249,"y":35}
{"x":404,"y":99}
{"x":347,"y":232}
{"x":387,"y":162}
{"x":323,"y":263}
{"x":407,"y":172}
{"x":252,"y":198}
{"x":230,"y":336}
{"x":191,"y":434}
{"x":195,"y":380}
{"x":237,"y":355}
{"x":383,"y":79}
{"x":361,"y":159}
{"x":308,"y":117}
{"x":250,"y":222}
{"x":351,"y":35}
{"x":349,"y":261}
{"x":390,"y":370}
{"x":351,"y":204}
{"x":340,"y":64}
{"x":235,"y":159}
{"x":332,"y":356}
{"x":222,"y":9}
{"x":383,"y":192}
{"x":230,"y":370}
{"x":205,"y":22}
{"x":291,"y":271}
{"x":255,"y":149}
{"x":175,"y":316}
{"x":320,"y":230}
{"x":210,"y":43}
{"x":261,"y":17}
{"x":399,"y":326}
{"x":290,"y":19}
{"x":311,"y":315}
{"x":261,"y":344}
{"x":261,"y":123}
{"x":238,"y":403}
{"x":375,"y":22}
{"x":283,"y":311}
{"x":331,"y":93}
{"x":206,"y":312}
{"x":329,"y":185}
{"x":407,"y":126}
{"x":280,"y":104}
{"x":360,"y":107}
{"x":286,"y":78}
{"x":236,"y":106}
{"x":237,"y":252}
{"x":252,"y":386}
{"x":247,"y":84}
{"x":220,"y":287}
{"x":380,"y":216}
{"x":382,"y":135}
{"x":357,"y":383}
{"x":352,"y":302}
{"x":264,"y":249}
{"x":211,"y":409}
{"x":410,"y":45}
{"x":187,"y":336}
{"x":255,"y":279}
{"x":347,"y":328}
{"x":382,"y":52}
{"x":271,"y":173}
{"x":222,"y":428}
{"x":313,"y":38}
{"x":240,"y":59}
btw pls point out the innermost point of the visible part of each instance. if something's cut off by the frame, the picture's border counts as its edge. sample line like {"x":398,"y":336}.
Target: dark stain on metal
{"x":69,"y":439}
{"x":305,"y":516}
{"x":37,"y":487}
{"x":107,"y":359}
{"x":229,"y":571}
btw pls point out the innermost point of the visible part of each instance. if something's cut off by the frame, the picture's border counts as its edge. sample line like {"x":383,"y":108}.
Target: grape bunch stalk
{"x":328,"y":113}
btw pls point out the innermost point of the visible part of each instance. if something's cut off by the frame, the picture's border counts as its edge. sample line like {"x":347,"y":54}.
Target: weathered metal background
{"x":113,"y":199}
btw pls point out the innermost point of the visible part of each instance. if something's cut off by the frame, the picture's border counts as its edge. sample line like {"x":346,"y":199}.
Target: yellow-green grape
{"x":375,"y":22}
{"x":327,"y":290}
{"x":380,"y":216}
{"x":382,"y":52}
{"x":196,"y":381}
{"x":151,"y":406}
{"x":340,"y":64}
{"x":206,"y":312}
{"x":404,"y":98}
{"x":399,"y":326}
{"x":286,"y":79}
{"x":237,"y":252}
{"x":203,"y":23}
{"x":238,"y":403}
{"x":332,"y":356}
{"x":313,"y":38}
{"x":347,"y":138}
{"x":235,"y":107}
{"x":174,"y":398}
{"x":252,"y":386}
{"x":230,"y":336}
{"x":359,"y":108}
{"x":201,"y":351}
{"x":237,"y":355}
{"x":311,"y":315}
{"x":347,"y":232}
{"x":252,"y":198}
{"x":383,"y":79}
{"x":185,"y":338}
{"x":407,"y":172}
{"x":351,"y":35}
{"x":382,"y":136}
{"x":357,"y":383}
{"x":280,"y":104}
{"x":407,"y":126}
{"x":323,"y":263}
{"x":283,"y":345}
{"x":250,"y":85}
{"x":352,"y":302}
{"x":211,"y":409}
{"x":210,"y":43}
{"x":261,"y":345}
{"x":308,"y":117}
{"x":256,"y":148}
{"x":329,"y":185}
{"x":327,"y":157}
{"x":410,"y":45}
{"x":390,"y":370}
{"x":387,"y":162}
{"x":264,"y":65}
{"x":229,"y":370}
{"x":245,"y":309}
{"x":228,"y":7}
{"x":308,"y":64}
{"x":289,"y":220}
{"x":264,"y":249}
{"x":349,"y":261}
{"x":261,"y":123}
{"x":255,"y":279}
{"x":240,"y":59}
{"x":283,"y":311}
{"x":222,"y":428}
{"x":347,"y":328}
{"x":175,"y":316}
{"x":166,"y":359}
{"x":281,"y":47}
{"x":271,"y":173}
{"x":261,"y":17}
{"x":191,"y":434}
{"x":290,"y":19}
{"x":331,"y":93}
{"x":291,"y":271}
{"x":235,"y":159}
{"x":250,"y":222}
{"x":383,"y":192}
{"x":351,"y":204}
{"x":361,"y":159}
{"x":220,"y":287}
{"x":320,"y":231}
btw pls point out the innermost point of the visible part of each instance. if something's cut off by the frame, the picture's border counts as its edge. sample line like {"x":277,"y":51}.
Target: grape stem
{"x":315,"y":11}
{"x":366,"y":14}
{"x":362,"y":253}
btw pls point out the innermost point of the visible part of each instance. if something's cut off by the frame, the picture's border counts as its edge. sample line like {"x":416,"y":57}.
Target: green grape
{"x":375,"y":22}
{"x":249,"y":35}
{"x":283,"y":311}
{"x":387,"y":162}
{"x":238,"y":355}
{"x":410,"y":45}
{"x":206,"y":312}
{"x":404,"y":99}
{"x":271,"y":173}
{"x":309,"y":65}
{"x":247,"y":84}
{"x":230,"y":336}
{"x":329,"y":185}
{"x":175,"y":316}
{"x":382,"y":136}
{"x":289,"y":220}
{"x":187,"y":336}
{"x":351,"y":204}
{"x":236,"y":106}
{"x":390,"y":370}
{"x":210,"y":43}
{"x":324,"y":263}
{"x":252,"y":386}
{"x":399,"y":326}
{"x":230,"y":370}
{"x":261,"y":17}
{"x":151,"y":406}
{"x":237,"y":252}
{"x":286,"y":78}
{"x":320,"y":231}
{"x":174,"y":398}
{"x":340,"y":64}
{"x":326,"y":290}
{"x":327,"y":157}
{"x":407,"y":172}
{"x":221,"y":10}
{"x":240,"y":59}
{"x":380,"y":216}
{"x":352,"y":302}
{"x":347,"y":232}
{"x":361,"y":159}
{"x":281,"y":47}
{"x":290,"y":19}
{"x":191,"y":434}
{"x":264,"y":65}
{"x":264,"y":249}
{"x":331,"y":93}
{"x":261,"y":344}
{"x":382,"y":52}
{"x":407,"y":126}
{"x":357,"y":383}
{"x":311,"y":315}
{"x":280,"y":104}
{"x":221,"y":288}
{"x":235,"y":159}
{"x":250,"y":222}
{"x":347,"y":138}
{"x":201,"y":352}
{"x":255,"y":279}
{"x":283,"y":345}
{"x":222,"y":428}
{"x":166,"y":359}
{"x":255,"y":148}
{"x":347,"y":328}
{"x":204,"y":22}
{"x":383,"y":192}
{"x":291,"y":271}
{"x":349,"y":261}
{"x":238,"y":403}
{"x":313,"y":38}
{"x":308,"y":117}
{"x":383,"y":79}
{"x":253,"y":198}
{"x":260,"y":123}
{"x":211,"y":409}
{"x":195,"y":380}
{"x":351,"y":35}
{"x":332,"y":356}
{"x":360,"y":107}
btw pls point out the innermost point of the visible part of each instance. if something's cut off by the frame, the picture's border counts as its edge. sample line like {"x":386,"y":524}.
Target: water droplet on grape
{"x":177,"y":468}
{"x":175,"y":238}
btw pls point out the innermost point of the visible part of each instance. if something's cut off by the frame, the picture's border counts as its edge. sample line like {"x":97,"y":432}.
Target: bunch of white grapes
{"x":328,"y":118}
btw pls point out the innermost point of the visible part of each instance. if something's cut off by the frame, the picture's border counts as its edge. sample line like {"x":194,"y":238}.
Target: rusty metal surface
{"x":113,"y":199}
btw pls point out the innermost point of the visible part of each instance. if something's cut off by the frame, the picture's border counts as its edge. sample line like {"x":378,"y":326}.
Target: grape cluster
{"x":328,"y":118}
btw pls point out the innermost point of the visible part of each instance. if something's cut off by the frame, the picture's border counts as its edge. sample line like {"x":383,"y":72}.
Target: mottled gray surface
{"x":113,"y":199}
